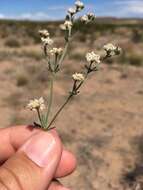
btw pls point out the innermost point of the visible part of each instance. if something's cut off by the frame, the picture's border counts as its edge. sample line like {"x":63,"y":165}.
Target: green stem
{"x":50,"y":97}
{"x":40,"y":118}
{"x":64,"y":53}
{"x":59,"y":111}
{"x":66,"y":102}
{"x":81,"y":83}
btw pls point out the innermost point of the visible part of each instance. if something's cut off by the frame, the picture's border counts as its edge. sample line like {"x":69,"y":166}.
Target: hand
{"x":31,"y":159}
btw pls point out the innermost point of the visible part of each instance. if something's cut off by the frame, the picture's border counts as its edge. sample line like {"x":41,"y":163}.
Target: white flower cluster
{"x":47,"y":41}
{"x":72,"y":11}
{"x":45,"y":37}
{"x":88,"y":18}
{"x":36,"y":104}
{"x":91,"y":15}
{"x":92,"y":57}
{"x":67,"y":25}
{"x":112,"y":49}
{"x":84,"y":18}
{"x":69,"y":21}
{"x":109,"y":47}
{"x":56,"y":51}
{"x":44,"y":33}
{"x":79,"y":5}
{"x":78,"y":77}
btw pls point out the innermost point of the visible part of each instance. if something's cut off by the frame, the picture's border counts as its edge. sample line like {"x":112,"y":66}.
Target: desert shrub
{"x":26,"y":42}
{"x":76,"y":56}
{"x":22,"y":80}
{"x":12,"y":42}
{"x":4,"y":55}
{"x":137,"y":36}
{"x":31,"y":54}
{"x":31,"y":69}
{"x":131,"y":59}
{"x":82,"y":38}
{"x":135,"y":60}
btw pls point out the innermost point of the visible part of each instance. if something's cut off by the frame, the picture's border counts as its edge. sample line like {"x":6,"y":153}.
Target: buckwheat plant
{"x":55,"y":57}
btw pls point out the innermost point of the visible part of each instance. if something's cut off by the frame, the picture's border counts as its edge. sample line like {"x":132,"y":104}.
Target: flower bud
{"x":67,"y":25}
{"x":56,"y":51}
{"x":92,"y":57}
{"x":72,"y":11}
{"x":78,"y":77}
{"x":44,"y":33}
{"x":47,"y":41}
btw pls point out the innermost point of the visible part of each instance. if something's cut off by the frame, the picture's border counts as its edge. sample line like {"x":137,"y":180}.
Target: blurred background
{"x":103,"y":125}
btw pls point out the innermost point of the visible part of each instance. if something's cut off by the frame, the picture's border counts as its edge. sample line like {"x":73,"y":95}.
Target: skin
{"x":14,"y":164}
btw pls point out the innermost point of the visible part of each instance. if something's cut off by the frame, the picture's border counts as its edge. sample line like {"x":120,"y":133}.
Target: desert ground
{"x":103,"y":125}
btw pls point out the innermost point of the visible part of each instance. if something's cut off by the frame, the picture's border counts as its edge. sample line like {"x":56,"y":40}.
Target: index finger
{"x":12,"y":138}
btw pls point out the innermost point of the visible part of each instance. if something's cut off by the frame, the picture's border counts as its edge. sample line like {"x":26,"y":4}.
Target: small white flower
{"x":84,"y":18}
{"x":88,"y":17}
{"x":79,"y":5}
{"x":67,"y":25}
{"x":91,"y":16}
{"x":109,"y":47}
{"x":78,"y":77}
{"x":72,"y":11}
{"x":36,"y":104}
{"x":47,"y":41}
{"x":92,"y":57}
{"x":118,"y":50}
{"x":57,"y":51}
{"x":44,"y":33}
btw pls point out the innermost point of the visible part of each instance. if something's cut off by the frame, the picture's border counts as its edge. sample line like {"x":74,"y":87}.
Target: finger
{"x":67,"y":164}
{"x":34,"y":165}
{"x":12,"y":138}
{"x":55,"y":185}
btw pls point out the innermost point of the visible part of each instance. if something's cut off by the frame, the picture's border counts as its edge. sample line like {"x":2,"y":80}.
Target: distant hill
{"x":112,"y":20}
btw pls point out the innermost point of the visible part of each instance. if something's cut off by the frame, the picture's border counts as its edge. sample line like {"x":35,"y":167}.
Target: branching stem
{"x":67,"y":101}
{"x":59,"y":111}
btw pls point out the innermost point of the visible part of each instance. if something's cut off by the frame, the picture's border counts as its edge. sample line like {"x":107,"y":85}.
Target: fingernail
{"x":42,"y":149}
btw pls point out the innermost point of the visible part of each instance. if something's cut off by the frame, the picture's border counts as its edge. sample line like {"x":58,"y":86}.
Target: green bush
{"x":12,"y":42}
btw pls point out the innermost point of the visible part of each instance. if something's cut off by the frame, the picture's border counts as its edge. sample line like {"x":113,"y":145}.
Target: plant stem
{"x":40,"y":118}
{"x":81,"y":83}
{"x":59,"y":111}
{"x":66,"y":102}
{"x":50,"y":97}
{"x":64,"y":53}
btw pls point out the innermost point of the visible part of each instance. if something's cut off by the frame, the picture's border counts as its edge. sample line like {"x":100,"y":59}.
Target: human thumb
{"x":34,"y":164}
